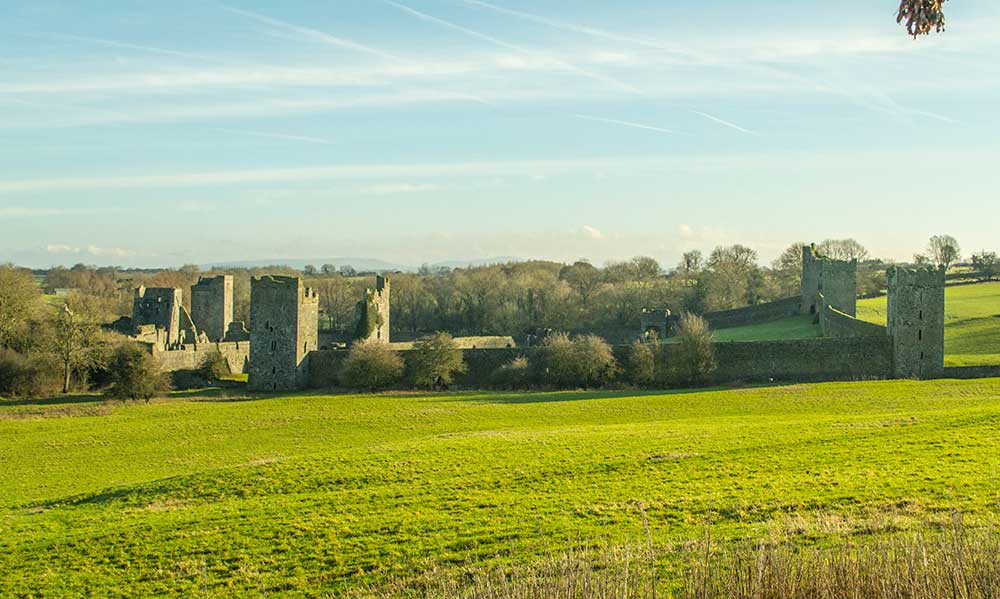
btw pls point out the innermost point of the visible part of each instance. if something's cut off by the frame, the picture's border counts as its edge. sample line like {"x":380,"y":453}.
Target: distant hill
{"x":359,"y":264}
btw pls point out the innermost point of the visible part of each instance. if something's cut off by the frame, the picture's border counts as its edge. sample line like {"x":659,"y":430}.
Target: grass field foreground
{"x":320,"y":495}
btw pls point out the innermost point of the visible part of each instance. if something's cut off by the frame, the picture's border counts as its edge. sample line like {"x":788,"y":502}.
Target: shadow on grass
{"x":59,"y":400}
{"x":529,"y":397}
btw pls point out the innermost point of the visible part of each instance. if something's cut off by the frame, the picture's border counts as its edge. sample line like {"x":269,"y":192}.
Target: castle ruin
{"x":916,"y":321}
{"x":212,"y":306}
{"x":284,"y":330}
{"x":372,"y":313}
{"x":836,"y":281}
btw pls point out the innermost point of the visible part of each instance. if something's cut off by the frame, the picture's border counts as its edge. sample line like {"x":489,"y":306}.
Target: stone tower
{"x":160,"y":307}
{"x":212,"y":306}
{"x":916,"y":321}
{"x":284,"y":329}
{"x":835,"y":280}
{"x":372,"y":313}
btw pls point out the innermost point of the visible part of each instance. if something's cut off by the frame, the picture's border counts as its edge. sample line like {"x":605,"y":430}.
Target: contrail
{"x":314,"y":34}
{"x":125,"y":45}
{"x":623,"y":123}
{"x":509,"y":46}
{"x":722,"y":122}
{"x":315,"y":140}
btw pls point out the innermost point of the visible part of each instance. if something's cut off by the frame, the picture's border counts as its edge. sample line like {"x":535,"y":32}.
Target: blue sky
{"x":162,"y":133}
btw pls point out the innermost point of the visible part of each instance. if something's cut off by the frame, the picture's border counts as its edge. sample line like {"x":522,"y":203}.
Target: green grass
{"x":313,"y":496}
{"x":972,"y":323}
{"x":796,"y":327}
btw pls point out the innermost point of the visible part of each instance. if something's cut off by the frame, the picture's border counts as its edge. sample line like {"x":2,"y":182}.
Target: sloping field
{"x":795,"y":327}
{"x":315,"y":496}
{"x":972,"y":323}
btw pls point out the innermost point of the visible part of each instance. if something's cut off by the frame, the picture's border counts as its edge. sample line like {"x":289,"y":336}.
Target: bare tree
{"x":75,"y":336}
{"x":843,"y":249}
{"x":943,"y":251}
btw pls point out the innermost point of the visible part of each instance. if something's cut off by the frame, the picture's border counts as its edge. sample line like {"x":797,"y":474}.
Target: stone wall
{"x":192,"y":357}
{"x":372,"y":313}
{"x":836,"y":279}
{"x":841,"y":359}
{"x":916,"y":321}
{"x":159,"y":307}
{"x":284,"y":331}
{"x":834,"y":323}
{"x":972,"y":372}
{"x":740,"y":317}
{"x":212,"y":306}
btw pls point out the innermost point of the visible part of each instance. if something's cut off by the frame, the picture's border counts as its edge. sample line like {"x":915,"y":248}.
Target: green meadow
{"x":972,"y":323}
{"x":315,"y":495}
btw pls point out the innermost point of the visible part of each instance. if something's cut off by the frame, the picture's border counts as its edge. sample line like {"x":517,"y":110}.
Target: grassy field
{"x":972,"y":323}
{"x":312,"y":496}
{"x":796,"y":327}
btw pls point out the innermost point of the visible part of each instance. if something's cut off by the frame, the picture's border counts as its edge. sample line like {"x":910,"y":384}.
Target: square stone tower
{"x":284,"y":329}
{"x":916,"y":321}
{"x":835,"y":280}
{"x":372,"y":313}
{"x":212,"y":306}
{"x":160,"y":307}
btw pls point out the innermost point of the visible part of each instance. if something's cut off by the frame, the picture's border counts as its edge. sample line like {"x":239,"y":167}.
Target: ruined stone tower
{"x":835,"y":280}
{"x":916,"y":321}
{"x":284,"y":329}
{"x":212,"y":306}
{"x":160,"y":308}
{"x":372,"y":313}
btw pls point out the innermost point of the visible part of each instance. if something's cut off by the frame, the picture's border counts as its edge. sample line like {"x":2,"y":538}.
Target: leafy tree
{"x":583,"y":277}
{"x":586,"y":361}
{"x":27,"y":375}
{"x":922,"y":16}
{"x":943,"y":251}
{"x":215,"y":367}
{"x":135,"y":374}
{"x":640,"y":364}
{"x":310,"y":270}
{"x":987,"y":264}
{"x":19,"y":297}
{"x":692,"y":360}
{"x":731,"y":278}
{"x":372,"y":365}
{"x":515,"y":374}
{"x":328,"y":270}
{"x":436,"y":360}
{"x":788,"y":269}
{"x":348,"y":271}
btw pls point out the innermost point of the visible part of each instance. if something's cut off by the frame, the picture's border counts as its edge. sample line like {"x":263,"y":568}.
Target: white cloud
{"x":591,"y":232}
{"x":27,"y":212}
{"x":61,"y":248}
{"x":109,"y":252}
{"x":396,"y":188}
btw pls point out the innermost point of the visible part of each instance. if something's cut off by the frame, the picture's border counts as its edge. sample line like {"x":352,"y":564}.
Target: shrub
{"x":515,"y":374}
{"x":134,"y":374}
{"x":27,"y":376}
{"x":372,"y":365}
{"x":436,"y":360}
{"x":585,"y":361}
{"x":640,"y":364}
{"x":692,"y":360}
{"x":215,"y":367}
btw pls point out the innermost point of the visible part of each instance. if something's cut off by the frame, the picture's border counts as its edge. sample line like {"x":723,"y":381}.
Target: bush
{"x":134,"y":374}
{"x":515,"y":374}
{"x":585,"y":361}
{"x":436,"y":360}
{"x":692,"y":359}
{"x":372,"y":365}
{"x":215,"y":367}
{"x":640,"y":364}
{"x":28,"y":376}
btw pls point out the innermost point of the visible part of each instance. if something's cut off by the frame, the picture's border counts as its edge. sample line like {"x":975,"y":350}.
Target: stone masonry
{"x":212,"y":306}
{"x":284,"y":329}
{"x":835,"y":280}
{"x":159,"y":308}
{"x":372,"y":313}
{"x":916,"y":321}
